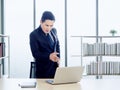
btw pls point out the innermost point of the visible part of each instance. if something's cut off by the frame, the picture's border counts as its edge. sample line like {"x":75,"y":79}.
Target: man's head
{"x":47,"y":21}
{"x":47,"y":15}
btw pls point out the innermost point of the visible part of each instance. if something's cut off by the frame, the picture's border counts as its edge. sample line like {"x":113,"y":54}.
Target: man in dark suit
{"x":45,"y":47}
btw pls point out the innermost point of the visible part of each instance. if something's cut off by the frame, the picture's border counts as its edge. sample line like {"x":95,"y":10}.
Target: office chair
{"x":32,"y":69}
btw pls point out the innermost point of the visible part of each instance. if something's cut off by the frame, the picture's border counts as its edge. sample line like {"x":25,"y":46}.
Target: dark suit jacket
{"x":41,"y":50}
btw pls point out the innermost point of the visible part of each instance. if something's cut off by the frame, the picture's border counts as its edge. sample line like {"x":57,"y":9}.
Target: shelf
{"x":102,"y":48}
{"x":75,"y":55}
{"x":97,"y":36}
{"x":4,"y":57}
{"x":6,"y":54}
{"x":101,"y":55}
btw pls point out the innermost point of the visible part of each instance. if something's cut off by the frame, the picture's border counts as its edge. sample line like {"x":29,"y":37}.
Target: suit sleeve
{"x":35,"y":49}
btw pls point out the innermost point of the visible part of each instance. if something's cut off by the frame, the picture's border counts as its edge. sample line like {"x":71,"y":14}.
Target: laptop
{"x":66,"y":75}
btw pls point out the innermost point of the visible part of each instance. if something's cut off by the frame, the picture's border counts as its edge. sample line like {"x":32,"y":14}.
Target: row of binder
{"x":2,"y":47}
{"x":103,"y":68}
{"x":101,"y":49}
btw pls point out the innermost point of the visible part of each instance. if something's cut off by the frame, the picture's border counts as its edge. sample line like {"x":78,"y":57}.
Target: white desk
{"x":85,"y":84}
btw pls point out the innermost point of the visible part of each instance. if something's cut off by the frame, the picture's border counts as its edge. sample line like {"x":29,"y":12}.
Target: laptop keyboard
{"x":50,"y":81}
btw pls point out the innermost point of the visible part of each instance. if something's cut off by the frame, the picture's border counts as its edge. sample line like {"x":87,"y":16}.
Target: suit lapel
{"x":44,"y":37}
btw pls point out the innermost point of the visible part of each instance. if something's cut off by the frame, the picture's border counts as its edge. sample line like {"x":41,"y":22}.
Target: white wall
{"x":109,"y":17}
{"x":81,"y":22}
{"x":18,"y":24}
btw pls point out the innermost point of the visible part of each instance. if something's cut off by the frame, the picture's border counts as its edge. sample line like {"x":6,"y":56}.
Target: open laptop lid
{"x":67,"y":75}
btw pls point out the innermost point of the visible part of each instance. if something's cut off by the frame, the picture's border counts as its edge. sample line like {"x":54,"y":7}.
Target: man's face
{"x":47,"y":25}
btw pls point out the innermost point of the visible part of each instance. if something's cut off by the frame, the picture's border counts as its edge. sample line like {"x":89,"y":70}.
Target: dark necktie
{"x":50,"y":40}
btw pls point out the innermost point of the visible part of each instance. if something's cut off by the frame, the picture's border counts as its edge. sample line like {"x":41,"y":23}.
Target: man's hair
{"x":47,"y":15}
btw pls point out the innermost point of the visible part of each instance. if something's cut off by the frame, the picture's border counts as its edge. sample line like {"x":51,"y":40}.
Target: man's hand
{"x":53,"y":56}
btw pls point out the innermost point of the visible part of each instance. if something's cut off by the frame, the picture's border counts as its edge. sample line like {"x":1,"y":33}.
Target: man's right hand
{"x":53,"y":56}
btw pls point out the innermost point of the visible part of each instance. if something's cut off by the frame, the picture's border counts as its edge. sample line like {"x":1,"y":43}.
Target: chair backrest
{"x":32,"y":69}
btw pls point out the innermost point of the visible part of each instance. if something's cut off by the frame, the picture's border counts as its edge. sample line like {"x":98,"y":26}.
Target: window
{"x":57,"y":8}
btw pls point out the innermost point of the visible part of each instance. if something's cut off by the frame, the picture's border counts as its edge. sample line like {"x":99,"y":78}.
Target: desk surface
{"x":85,"y":84}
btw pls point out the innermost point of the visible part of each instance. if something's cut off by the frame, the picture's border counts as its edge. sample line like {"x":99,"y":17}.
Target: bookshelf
{"x":4,"y":56}
{"x":100,"y":55}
